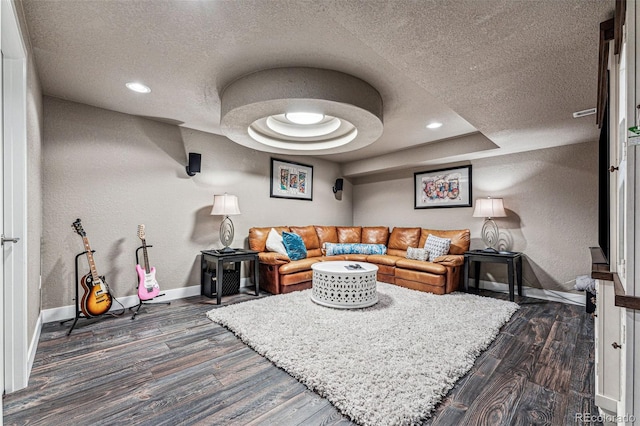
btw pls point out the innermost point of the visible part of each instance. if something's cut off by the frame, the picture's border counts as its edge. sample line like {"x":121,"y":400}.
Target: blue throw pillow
{"x":294,"y":245}
{"x":334,"y":249}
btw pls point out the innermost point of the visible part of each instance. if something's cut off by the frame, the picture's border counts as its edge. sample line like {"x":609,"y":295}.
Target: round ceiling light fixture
{"x":304,"y":118}
{"x":281,"y":124}
{"x":434,"y":125}
{"x":138,"y":87}
{"x":289,"y":110}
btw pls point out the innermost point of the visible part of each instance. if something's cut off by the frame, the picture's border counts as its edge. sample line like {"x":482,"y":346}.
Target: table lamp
{"x":489,"y":208}
{"x":225,"y":205}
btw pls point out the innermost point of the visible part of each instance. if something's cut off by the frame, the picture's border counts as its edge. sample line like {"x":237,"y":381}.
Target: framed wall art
{"x":291,"y":180}
{"x":442,"y":188}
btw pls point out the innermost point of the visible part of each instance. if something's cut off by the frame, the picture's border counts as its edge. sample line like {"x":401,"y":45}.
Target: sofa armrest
{"x":450,"y":260}
{"x":273,"y":258}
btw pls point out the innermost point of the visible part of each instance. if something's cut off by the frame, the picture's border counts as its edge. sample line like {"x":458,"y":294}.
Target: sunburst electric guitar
{"x":96,"y":299}
{"x":148,"y":287}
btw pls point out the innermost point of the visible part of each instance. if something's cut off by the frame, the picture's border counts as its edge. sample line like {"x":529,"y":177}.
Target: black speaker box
{"x":194,"y":163}
{"x":230,"y":282}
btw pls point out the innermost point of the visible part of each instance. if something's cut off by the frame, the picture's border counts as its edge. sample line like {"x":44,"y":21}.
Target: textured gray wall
{"x":115,"y":171}
{"x":551,"y":200}
{"x":34,"y":196}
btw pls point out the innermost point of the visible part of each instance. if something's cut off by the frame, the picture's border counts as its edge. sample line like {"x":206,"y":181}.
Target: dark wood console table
{"x":513,"y":259}
{"x":219,"y":258}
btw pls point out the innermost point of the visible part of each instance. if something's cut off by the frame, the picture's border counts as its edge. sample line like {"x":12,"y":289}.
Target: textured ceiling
{"x":512,"y":70}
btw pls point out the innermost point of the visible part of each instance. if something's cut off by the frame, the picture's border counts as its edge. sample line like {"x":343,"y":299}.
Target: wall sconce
{"x":337,"y":188}
{"x":338,"y":185}
{"x":489,"y":208}
{"x":225,"y":205}
{"x":194,"y":163}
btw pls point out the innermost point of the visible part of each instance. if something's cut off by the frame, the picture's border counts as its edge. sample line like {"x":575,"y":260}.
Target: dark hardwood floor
{"x":171,"y":365}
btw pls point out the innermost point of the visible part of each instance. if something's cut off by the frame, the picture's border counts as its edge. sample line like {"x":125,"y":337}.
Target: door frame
{"x":14,"y":67}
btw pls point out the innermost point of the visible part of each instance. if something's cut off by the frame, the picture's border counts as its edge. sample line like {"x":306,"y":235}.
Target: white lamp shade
{"x":489,"y":207}
{"x":225,"y":205}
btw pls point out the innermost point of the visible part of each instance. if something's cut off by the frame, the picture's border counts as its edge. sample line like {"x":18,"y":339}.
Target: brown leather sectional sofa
{"x":279,"y":274}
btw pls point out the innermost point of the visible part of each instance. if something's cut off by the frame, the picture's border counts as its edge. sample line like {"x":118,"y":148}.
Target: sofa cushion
{"x":375,"y":235}
{"x":356,"y":257}
{"x":332,"y":249}
{"x":294,"y":245}
{"x":273,"y":258}
{"x":349,"y":234}
{"x":419,"y":265}
{"x":258,"y":237}
{"x":417,"y":253}
{"x":295,"y":266}
{"x":308,"y":234}
{"x":383,"y":259}
{"x":437,"y":246}
{"x":314,"y":253}
{"x":274,"y":242}
{"x":460,"y":239}
{"x":326,"y":234}
{"x":401,"y":238}
{"x":450,"y":260}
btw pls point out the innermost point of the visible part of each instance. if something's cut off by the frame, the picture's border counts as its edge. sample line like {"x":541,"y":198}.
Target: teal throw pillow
{"x":294,"y":245}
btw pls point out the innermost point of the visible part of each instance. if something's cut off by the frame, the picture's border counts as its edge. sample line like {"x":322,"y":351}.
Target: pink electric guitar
{"x":148,"y":287}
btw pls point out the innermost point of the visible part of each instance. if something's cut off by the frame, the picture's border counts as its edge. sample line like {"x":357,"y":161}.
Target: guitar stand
{"x":79,"y":313}
{"x":144,"y":302}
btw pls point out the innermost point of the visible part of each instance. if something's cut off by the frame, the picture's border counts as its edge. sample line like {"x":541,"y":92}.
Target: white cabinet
{"x":608,"y":335}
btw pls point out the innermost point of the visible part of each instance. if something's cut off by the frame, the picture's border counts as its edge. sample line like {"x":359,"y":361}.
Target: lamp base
{"x":227,"y":250}
{"x":226,"y":232}
{"x":490,"y":233}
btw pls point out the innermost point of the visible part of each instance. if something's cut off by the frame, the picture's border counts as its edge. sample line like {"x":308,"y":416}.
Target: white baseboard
{"x":536,"y":293}
{"x":66,"y":312}
{"x":33,"y":346}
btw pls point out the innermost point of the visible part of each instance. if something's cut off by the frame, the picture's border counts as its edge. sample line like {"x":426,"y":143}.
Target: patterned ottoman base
{"x":345,"y":285}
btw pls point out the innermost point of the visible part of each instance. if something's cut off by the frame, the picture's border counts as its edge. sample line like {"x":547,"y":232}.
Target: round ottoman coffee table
{"x":343,"y":284}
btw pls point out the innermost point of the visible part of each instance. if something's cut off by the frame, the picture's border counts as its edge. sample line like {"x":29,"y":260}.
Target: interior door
{"x":13,"y":219}
{"x":1,"y":231}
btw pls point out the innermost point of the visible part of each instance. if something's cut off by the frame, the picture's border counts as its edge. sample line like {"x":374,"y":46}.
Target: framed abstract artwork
{"x":442,"y":188}
{"x":291,"y":180}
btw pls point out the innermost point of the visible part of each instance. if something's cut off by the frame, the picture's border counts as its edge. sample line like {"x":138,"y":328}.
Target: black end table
{"x":513,"y":259}
{"x":219,"y":258}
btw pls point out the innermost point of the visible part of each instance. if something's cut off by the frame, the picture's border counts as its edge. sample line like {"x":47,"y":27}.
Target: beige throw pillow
{"x":274,"y":242}
{"x":417,"y":253}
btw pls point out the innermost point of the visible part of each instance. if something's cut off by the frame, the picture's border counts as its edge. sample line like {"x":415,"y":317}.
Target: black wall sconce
{"x":337,"y":188}
{"x":194,"y":163}
{"x":338,"y":185}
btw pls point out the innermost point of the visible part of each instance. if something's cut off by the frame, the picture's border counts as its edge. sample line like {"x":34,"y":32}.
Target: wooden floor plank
{"x":535,"y":406}
{"x":171,"y":365}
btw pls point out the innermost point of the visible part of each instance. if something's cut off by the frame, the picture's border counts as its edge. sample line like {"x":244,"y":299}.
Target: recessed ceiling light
{"x":138,"y":87}
{"x":434,"y":125}
{"x":304,"y":118}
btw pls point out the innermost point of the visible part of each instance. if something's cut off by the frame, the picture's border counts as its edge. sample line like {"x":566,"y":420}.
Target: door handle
{"x":4,"y":239}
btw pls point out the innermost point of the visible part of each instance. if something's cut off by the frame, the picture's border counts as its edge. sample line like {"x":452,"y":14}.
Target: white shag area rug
{"x":389,"y":364}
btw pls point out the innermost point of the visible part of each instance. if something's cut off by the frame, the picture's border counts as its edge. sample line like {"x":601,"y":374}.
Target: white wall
{"x":115,"y":171}
{"x":551,"y":201}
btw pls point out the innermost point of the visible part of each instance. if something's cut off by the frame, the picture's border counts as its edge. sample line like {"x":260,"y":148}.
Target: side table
{"x":219,"y":258}
{"x":513,"y":259}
